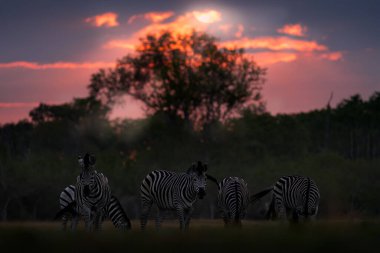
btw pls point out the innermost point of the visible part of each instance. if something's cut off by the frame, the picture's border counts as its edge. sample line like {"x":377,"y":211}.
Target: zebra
{"x":295,"y":195}
{"x":233,"y":200}
{"x":92,"y":193}
{"x":173,"y":191}
{"x":68,"y":207}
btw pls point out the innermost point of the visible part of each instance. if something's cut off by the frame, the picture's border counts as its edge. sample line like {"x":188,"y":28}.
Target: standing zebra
{"x":233,"y":199}
{"x":92,"y":193}
{"x":294,"y":195}
{"x":173,"y":191}
{"x":114,"y":210}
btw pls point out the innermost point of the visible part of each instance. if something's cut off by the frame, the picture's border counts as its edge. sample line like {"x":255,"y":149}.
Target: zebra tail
{"x":255,"y":197}
{"x":213,"y":179}
{"x":68,"y":209}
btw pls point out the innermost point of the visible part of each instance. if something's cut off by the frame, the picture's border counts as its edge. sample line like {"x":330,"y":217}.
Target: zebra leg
{"x":271,"y":212}
{"x":88,"y":220}
{"x":181,"y":217}
{"x":295,"y":216}
{"x":74,"y":222}
{"x":280,"y":209}
{"x":145,"y":210}
{"x":64,"y":222}
{"x":98,"y":221}
{"x":159,"y":218}
{"x":188,"y":213}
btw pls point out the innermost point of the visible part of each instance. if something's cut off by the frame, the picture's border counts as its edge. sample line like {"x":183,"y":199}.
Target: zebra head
{"x":199,"y":179}
{"x":86,"y":162}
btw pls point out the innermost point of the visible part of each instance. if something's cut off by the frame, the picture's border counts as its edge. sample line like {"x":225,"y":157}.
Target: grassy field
{"x":203,"y":236}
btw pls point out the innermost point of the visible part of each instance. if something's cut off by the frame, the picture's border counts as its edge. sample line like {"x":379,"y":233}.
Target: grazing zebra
{"x":294,"y":195}
{"x":67,"y":198}
{"x":92,"y":193}
{"x":114,"y":210}
{"x":233,"y":199}
{"x":173,"y":191}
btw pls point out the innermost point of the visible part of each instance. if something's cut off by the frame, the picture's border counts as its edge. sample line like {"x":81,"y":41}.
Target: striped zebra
{"x":233,"y":200}
{"x":173,"y":191}
{"x":294,"y":196}
{"x":92,"y":193}
{"x":114,"y":210}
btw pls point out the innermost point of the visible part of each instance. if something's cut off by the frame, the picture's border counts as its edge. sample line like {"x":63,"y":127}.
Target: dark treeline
{"x":339,"y":147}
{"x":202,"y":103}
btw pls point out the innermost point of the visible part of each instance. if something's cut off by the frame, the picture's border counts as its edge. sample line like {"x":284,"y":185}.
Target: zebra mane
{"x":198,"y":168}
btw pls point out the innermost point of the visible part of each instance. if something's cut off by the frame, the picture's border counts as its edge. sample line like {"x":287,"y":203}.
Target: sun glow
{"x":207,"y":17}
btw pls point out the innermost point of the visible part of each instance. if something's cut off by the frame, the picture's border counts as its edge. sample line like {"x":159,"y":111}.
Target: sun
{"x":207,"y":17}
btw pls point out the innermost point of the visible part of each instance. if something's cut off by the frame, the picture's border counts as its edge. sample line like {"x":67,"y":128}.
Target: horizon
{"x":51,"y":48}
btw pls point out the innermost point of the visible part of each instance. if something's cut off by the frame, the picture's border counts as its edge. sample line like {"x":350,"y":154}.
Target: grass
{"x":203,"y":236}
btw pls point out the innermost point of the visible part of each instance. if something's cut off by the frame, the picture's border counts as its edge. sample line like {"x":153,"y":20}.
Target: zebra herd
{"x":293,"y":197}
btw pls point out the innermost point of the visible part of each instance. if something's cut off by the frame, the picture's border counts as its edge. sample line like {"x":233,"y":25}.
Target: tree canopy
{"x":184,"y":76}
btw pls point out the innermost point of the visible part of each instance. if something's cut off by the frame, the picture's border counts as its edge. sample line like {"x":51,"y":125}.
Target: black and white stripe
{"x":233,"y":199}
{"x":297,"y":196}
{"x":92,"y":193}
{"x":66,"y":198}
{"x":173,"y":191}
{"x":114,"y":211}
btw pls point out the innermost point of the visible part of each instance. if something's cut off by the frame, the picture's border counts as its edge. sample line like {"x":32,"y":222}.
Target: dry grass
{"x":203,"y":236}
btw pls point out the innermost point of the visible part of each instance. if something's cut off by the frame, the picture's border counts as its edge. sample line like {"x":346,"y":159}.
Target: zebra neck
{"x":189,"y":193}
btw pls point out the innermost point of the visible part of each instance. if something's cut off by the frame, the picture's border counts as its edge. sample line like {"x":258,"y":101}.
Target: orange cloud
{"x":293,"y":29}
{"x":333,"y":56}
{"x":275,"y":43}
{"x":155,"y":17}
{"x":56,"y":65}
{"x":108,"y":19}
{"x":269,"y":58}
{"x":183,"y":24}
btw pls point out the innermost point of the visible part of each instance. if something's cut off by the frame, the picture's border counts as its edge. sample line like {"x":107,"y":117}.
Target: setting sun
{"x":208,"y":17}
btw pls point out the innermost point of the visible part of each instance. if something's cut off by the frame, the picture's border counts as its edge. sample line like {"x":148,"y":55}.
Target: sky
{"x":49,"y":49}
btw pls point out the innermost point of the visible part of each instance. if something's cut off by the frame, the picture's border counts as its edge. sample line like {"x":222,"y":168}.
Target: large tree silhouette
{"x":184,"y":76}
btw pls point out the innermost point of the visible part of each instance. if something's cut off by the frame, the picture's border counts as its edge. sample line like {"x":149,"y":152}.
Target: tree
{"x":73,"y":111}
{"x":184,"y":76}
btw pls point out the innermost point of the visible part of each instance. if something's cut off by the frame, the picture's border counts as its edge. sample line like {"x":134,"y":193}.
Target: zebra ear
{"x":92,"y":160}
{"x":205,"y":167}
{"x":191,"y":169}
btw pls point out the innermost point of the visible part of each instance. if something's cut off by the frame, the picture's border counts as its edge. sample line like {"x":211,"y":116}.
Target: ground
{"x":203,"y":236}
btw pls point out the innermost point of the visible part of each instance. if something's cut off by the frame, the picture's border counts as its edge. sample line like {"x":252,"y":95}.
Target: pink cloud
{"x":57,"y":65}
{"x":269,"y":58}
{"x":225,"y":28}
{"x":239,"y":32}
{"x":108,"y":19}
{"x":332,"y":56}
{"x":18,"y":104}
{"x":293,"y":29}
